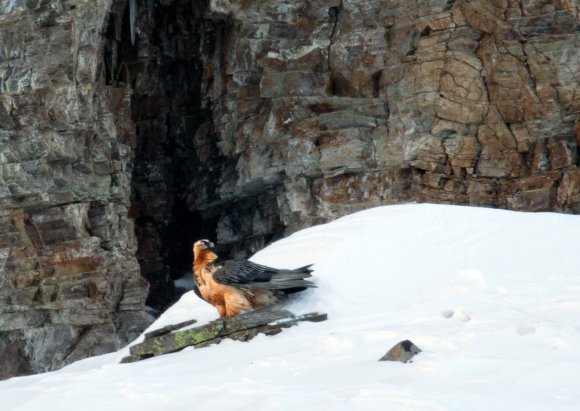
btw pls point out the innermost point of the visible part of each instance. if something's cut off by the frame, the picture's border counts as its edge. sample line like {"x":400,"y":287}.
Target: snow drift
{"x":490,"y":296}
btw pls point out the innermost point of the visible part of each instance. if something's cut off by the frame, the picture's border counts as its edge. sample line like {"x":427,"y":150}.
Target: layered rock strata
{"x":69,"y":280}
{"x":324,"y":108}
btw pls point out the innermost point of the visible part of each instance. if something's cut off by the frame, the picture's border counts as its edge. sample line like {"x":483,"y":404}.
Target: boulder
{"x":403,"y":351}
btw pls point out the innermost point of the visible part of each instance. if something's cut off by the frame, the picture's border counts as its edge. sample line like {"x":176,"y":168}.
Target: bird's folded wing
{"x":243,"y":272}
{"x":247,"y":275}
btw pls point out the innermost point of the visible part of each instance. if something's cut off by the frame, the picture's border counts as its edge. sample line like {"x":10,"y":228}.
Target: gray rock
{"x":69,"y":280}
{"x":242,"y":327}
{"x":403,"y":351}
{"x":451,"y":103}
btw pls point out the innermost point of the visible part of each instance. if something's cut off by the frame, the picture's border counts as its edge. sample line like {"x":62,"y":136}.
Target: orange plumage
{"x":235,"y":286}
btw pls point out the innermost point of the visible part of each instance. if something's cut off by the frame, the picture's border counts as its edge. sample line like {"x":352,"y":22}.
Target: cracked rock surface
{"x":69,"y":281}
{"x":334,"y":106}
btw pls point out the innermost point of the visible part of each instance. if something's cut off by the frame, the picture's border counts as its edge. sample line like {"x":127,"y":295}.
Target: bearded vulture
{"x":235,"y":286}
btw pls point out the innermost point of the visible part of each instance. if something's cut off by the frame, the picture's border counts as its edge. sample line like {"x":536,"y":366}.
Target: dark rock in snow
{"x":242,"y":327}
{"x":402,"y":351}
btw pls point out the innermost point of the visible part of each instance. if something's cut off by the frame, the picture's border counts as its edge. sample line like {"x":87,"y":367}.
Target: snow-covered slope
{"x":491,"y":297}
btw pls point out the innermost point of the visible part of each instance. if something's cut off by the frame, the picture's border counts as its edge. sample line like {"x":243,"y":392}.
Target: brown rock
{"x":463,"y":152}
{"x":68,"y":271}
{"x":563,"y":151}
{"x":499,"y":156}
{"x":569,"y":191}
{"x":403,"y":351}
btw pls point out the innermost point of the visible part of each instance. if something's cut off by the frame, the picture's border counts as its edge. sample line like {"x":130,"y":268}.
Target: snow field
{"x":490,"y":296}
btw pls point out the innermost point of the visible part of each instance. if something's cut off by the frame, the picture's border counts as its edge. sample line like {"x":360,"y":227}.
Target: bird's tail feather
{"x":305,"y":269}
{"x":283,"y":285}
{"x":282,"y":279}
{"x":286,"y":279}
{"x":282,"y":276}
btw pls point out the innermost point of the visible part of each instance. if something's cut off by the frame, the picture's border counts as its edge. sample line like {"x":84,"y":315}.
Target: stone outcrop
{"x":243,"y":327}
{"x":69,"y":280}
{"x":123,"y":139}
{"x":402,"y":351}
{"x":324,"y":108}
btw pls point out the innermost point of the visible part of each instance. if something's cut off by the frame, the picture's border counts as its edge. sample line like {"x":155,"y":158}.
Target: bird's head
{"x":201,"y":245}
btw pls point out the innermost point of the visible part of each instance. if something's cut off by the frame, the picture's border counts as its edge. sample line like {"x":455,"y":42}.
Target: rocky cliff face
{"x":130,"y":128}
{"x":323,"y":108}
{"x":69,"y":280}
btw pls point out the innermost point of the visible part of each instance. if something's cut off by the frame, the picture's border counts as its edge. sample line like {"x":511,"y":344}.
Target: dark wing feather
{"x":246,"y":274}
{"x":242,"y":272}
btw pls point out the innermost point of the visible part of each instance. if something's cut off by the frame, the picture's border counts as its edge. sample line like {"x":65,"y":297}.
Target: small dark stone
{"x":402,"y":351}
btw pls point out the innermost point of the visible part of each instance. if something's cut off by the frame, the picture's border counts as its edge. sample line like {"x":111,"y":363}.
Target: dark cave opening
{"x":173,"y":76}
{"x":180,"y":253}
{"x":163,"y":68}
